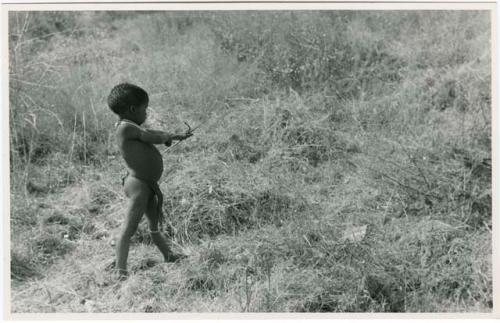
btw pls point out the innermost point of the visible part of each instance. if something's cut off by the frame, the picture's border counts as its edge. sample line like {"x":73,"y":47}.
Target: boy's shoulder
{"x":127,"y":129}
{"x":124,"y":123}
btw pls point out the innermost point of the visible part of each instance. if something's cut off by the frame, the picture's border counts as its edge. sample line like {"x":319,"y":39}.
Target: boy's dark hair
{"x":124,"y":95}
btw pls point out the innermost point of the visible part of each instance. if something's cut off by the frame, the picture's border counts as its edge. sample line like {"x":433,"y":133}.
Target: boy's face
{"x":138,"y":113}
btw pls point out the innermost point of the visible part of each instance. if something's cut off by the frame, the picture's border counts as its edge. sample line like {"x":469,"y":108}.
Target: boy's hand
{"x":168,"y":140}
{"x":180,"y":138}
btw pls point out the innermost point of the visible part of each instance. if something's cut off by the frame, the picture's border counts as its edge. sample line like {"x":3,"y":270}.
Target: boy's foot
{"x":121,"y":274}
{"x":174,"y":257}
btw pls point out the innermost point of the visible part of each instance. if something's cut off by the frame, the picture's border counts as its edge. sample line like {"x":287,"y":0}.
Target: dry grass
{"x":392,"y":135}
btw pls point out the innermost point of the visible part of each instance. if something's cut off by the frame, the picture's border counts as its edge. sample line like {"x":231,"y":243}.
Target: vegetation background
{"x":343,"y":163}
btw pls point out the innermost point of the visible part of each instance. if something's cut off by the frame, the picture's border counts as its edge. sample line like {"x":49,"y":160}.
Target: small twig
{"x":159,"y":93}
{"x":414,"y":162}
{"x":73,"y":139}
{"x":248,"y":291}
{"x":23,"y":31}
{"x":33,"y":84}
{"x":50,"y":299}
{"x":84,"y":140}
{"x":401,"y":184}
{"x":39,"y":108}
{"x":23,"y":42}
{"x":169,"y":172}
{"x":241,"y":99}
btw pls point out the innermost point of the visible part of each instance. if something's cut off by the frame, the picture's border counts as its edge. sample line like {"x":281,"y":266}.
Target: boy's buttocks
{"x":143,"y":160}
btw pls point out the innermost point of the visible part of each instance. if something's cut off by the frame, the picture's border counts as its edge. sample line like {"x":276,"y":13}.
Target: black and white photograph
{"x":250,"y":161}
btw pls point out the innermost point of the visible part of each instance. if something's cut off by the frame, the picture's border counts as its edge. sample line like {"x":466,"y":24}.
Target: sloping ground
{"x":302,"y":263}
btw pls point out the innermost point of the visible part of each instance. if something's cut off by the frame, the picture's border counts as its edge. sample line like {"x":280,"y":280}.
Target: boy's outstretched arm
{"x":170,"y":136}
{"x":149,"y":136}
{"x":136,"y":133}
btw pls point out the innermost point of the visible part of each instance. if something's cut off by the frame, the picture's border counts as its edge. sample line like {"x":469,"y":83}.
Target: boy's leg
{"x":157,"y":236}
{"x":138,"y":193}
{"x":153,"y":220}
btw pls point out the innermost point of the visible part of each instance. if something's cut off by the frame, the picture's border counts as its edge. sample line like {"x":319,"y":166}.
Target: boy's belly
{"x":144,"y":161}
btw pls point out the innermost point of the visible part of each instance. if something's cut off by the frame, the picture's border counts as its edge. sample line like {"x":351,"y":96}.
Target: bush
{"x":212,"y":200}
{"x":306,"y":50}
{"x":21,"y":267}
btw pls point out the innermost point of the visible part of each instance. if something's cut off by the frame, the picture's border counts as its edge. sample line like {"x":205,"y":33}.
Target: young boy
{"x":145,"y":167}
